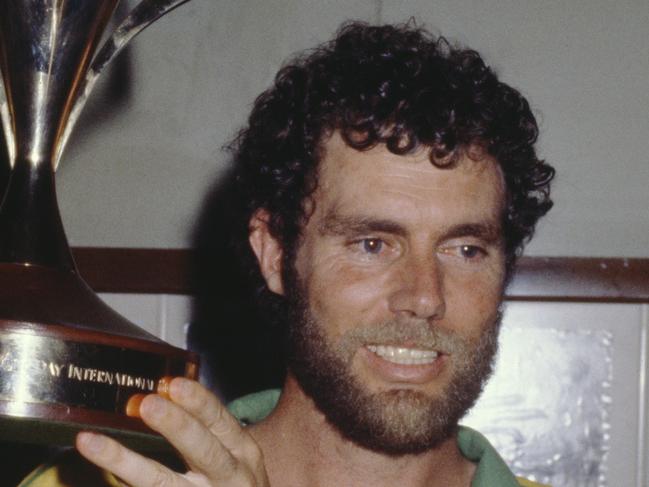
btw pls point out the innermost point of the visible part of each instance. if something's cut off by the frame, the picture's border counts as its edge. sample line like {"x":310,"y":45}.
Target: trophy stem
{"x":31,"y":230}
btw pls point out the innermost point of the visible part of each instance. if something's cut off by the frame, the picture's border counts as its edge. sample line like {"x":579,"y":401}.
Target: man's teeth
{"x":404,"y":356}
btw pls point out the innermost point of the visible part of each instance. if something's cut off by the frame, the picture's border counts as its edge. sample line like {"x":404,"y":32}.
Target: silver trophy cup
{"x":67,"y":361}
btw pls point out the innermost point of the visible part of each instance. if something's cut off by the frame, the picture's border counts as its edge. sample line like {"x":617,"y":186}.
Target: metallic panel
{"x":546,"y":410}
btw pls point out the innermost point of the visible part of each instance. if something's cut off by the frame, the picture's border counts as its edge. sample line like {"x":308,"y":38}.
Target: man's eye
{"x":372,"y":245}
{"x":471,"y":251}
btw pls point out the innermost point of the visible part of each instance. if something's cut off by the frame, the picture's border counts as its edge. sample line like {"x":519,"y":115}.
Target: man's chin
{"x":394,"y":422}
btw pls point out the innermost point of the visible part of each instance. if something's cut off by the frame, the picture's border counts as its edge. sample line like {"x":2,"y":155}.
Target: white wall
{"x":137,"y":176}
{"x":136,"y":172}
{"x":584,"y":66}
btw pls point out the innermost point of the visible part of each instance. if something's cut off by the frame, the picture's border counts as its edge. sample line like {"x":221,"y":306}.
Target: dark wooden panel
{"x":581,"y":279}
{"x":134,"y":270}
{"x":538,"y":278}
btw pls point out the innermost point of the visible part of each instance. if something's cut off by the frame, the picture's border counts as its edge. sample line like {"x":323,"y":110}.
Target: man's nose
{"x":419,"y":289}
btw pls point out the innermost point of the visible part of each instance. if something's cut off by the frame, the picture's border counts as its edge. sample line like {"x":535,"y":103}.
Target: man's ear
{"x":267,"y":249}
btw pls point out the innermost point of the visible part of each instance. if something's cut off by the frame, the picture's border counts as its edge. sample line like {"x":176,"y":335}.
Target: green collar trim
{"x":254,"y":407}
{"x":492,"y":469}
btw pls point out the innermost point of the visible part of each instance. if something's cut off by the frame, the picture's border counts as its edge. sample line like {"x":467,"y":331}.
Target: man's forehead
{"x":339,"y":161}
{"x":373,"y":190}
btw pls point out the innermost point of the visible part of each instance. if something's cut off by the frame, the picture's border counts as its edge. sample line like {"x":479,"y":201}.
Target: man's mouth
{"x":403,"y":355}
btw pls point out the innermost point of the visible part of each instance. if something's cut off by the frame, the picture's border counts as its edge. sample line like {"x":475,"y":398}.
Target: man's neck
{"x":301,"y":448}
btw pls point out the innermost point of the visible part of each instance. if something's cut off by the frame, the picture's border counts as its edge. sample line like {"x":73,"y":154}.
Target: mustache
{"x":414,"y":333}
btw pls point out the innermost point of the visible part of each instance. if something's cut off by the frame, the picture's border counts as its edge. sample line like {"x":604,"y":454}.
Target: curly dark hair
{"x":396,"y":85}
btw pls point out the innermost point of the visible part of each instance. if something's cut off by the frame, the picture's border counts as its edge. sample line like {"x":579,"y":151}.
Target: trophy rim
{"x":70,"y":333}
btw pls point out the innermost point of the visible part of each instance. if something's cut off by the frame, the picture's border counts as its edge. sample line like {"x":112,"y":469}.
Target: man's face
{"x":395,"y":294}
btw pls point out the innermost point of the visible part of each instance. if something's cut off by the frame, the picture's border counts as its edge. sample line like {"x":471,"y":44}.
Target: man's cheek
{"x":344,"y":305}
{"x":336,"y":274}
{"x":479,"y":294}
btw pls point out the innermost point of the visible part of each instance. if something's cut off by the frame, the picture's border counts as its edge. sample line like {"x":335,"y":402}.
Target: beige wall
{"x":137,"y":169}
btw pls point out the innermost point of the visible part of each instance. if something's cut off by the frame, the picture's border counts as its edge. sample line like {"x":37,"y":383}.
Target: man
{"x":387,"y":183}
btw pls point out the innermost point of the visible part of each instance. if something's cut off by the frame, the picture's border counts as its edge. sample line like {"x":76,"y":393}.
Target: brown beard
{"x":395,"y":422}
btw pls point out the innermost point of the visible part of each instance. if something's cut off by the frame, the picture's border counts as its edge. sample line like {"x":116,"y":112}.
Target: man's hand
{"x":217,"y":450}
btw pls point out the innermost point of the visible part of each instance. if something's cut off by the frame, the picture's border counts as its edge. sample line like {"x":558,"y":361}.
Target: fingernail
{"x":163,"y":386}
{"x":191,"y":370}
{"x":153,"y":405}
{"x":133,"y":405}
{"x":94,"y":443}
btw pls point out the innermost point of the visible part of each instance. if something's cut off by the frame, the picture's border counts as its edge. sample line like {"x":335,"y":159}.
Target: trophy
{"x":67,"y":360}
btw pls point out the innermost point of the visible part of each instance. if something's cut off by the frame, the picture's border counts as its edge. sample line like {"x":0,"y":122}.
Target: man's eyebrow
{"x":485,"y":231}
{"x":337,"y":224}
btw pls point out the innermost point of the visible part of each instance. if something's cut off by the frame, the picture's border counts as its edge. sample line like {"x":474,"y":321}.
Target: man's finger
{"x":202,"y":404}
{"x":202,"y":450}
{"x":131,"y":467}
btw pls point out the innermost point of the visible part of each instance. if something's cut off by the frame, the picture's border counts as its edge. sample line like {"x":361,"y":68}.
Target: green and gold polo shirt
{"x":70,"y":470}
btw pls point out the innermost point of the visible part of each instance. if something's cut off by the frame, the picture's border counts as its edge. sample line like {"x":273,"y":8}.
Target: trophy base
{"x":45,"y":431}
{"x":79,"y":369}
